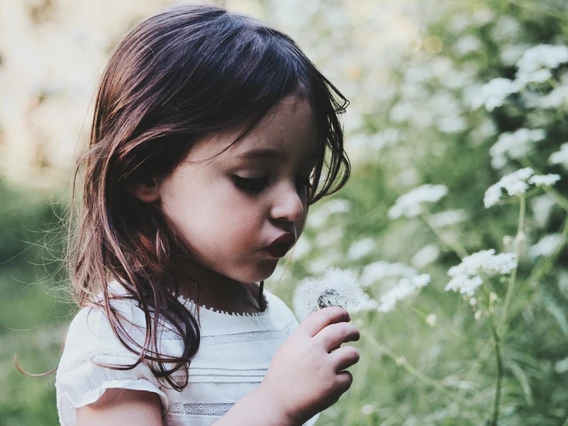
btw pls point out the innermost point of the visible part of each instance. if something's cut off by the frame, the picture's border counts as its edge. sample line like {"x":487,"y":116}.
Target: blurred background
{"x":415,"y":72}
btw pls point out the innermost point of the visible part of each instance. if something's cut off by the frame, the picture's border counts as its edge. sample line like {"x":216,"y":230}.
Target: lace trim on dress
{"x":250,"y":336}
{"x":185,"y":301}
{"x":200,"y":408}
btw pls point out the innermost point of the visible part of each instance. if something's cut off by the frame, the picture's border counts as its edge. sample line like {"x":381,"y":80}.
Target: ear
{"x":147,"y":190}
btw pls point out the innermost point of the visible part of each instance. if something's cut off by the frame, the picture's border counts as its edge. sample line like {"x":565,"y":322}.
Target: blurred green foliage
{"x":33,"y":312}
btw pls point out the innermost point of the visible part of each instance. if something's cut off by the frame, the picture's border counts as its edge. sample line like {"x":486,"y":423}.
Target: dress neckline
{"x":194,"y":305}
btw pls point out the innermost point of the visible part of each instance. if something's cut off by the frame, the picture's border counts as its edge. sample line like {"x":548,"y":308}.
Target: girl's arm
{"x":306,"y":375}
{"x":119,"y":407}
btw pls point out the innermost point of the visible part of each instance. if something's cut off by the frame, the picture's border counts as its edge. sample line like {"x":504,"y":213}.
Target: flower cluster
{"x":561,"y":156}
{"x":467,"y":276}
{"x":405,"y":288}
{"x":412,"y":203}
{"x":534,"y":66}
{"x":514,"y":145}
{"x":517,"y":183}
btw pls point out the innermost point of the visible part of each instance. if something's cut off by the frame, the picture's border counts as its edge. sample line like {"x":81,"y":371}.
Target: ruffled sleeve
{"x":91,"y":341}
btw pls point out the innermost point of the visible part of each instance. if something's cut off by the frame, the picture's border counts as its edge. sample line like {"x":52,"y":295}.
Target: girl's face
{"x":240,"y":211}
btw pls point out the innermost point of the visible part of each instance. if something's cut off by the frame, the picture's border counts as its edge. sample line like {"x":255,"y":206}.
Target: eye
{"x":251,"y":185}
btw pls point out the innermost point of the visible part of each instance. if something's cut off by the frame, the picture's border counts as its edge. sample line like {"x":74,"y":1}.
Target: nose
{"x":288,"y":205}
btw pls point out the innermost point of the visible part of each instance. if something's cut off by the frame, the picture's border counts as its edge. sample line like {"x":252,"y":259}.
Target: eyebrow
{"x":261,"y":153}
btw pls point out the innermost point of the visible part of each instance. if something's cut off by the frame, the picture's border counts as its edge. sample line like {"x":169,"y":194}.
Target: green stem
{"x":513,"y":278}
{"x":456,"y":247}
{"x":401,"y":361}
{"x":498,"y":359}
{"x":499,"y":362}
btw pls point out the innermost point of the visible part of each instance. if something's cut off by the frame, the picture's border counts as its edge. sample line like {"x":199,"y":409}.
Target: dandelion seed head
{"x":336,"y":287}
{"x":412,"y":203}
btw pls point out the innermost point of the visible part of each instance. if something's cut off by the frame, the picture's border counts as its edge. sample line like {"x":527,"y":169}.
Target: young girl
{"x":212,"y":134}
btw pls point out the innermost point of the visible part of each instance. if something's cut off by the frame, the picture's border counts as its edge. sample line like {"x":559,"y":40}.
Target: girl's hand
{"x":307,"y":373}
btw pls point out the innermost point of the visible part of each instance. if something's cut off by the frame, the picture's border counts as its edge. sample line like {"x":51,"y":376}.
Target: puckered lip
{"x":285,"y":239}
{"x":281,"y":245}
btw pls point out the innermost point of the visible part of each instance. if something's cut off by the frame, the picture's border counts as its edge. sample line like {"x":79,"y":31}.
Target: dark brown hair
{"x":177,"y":76}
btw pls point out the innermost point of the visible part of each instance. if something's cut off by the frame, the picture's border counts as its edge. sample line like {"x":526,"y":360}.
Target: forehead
{"x":287,"y":131}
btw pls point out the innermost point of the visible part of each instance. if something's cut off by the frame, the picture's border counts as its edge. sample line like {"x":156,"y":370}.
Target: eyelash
{"x":251,"y":185}
{"x":257,"y":185}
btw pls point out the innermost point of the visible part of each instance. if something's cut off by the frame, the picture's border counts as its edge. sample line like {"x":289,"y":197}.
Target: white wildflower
{"x":542,"y":56}
{"x":511,"y":53}
{"x":514,"y":184}
{"x":561,"y":156}
{"x":483,"y":16}
{"x":547,"y":245}
{"x":431,"y":320}
{"x":301,"y":248}
{"x":466,"y":45}
{"x":387,"y":137}
{"x":541,"y":207}
{"x":368,"y":409}
{"x":544,"y":180}
{"x":466,"y":277}
{"x":561,"y":366}
{"x":405,"y":288}
{"x":514,"y":145}
{"x":325,"y":261}
{"x":555,"y":99}
{"x":361,"y":248}
{"x":401,"y":112}
{"x":538,"y":76}
{"x":336,"y":287}
{"x":494,"y":93}
{"x":377,"y":271}
{"x":450,"y":125}
{"x":448,"y":218}
{"x":411,"y":203}
{"x":319,"y":216}
{"x":506,"y":27}
{"x":425,"y":256}
{"x":328,"y":236}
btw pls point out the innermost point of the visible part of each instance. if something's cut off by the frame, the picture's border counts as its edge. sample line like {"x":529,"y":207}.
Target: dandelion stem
{"x":401,"y":361}
{"x":456,"y":247}
{"x":518,"y":238}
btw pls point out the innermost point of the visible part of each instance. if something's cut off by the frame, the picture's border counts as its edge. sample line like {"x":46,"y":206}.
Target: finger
{"x":322,"y":318}
{"x":344,"y":357}
{"x":333,"y":335}
{"x":344,"y":379}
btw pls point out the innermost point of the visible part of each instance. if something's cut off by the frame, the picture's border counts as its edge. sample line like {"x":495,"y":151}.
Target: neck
{"x":209,"y":288}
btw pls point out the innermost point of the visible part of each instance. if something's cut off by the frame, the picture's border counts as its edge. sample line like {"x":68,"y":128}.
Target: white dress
{"x":233,"y":357}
